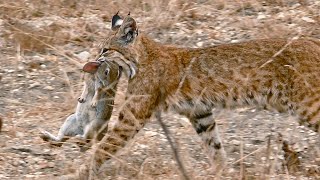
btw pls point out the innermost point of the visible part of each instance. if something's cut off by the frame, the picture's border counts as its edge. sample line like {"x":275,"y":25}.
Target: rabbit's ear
{"x":91,"y":67}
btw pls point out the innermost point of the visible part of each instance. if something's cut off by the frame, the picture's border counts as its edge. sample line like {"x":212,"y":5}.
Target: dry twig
{"x":173,"y":147}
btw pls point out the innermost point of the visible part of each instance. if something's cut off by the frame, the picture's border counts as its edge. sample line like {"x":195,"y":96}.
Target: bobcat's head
{"x":125,"y":30}
{"x":124,"y":33}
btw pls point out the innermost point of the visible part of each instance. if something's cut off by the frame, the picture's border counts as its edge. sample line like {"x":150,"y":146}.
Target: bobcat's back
{"x":277,"y":73}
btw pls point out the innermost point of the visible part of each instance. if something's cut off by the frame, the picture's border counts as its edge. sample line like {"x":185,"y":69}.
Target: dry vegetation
{"x":44,"y":42}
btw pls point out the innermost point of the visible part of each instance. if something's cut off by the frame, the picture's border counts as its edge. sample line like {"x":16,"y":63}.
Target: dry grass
{"x":52,"y":33}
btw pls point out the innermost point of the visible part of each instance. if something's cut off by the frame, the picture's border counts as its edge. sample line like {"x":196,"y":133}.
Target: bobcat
{"x":277,"y":74}
{"x":95,"y":104}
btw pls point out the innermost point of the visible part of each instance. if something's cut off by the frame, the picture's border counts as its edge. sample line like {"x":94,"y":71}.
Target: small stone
{"x":22,"y":162}
{"x":20,"y":75}
{"x":14,"y":91}
{"x":280,"y":157}
{"x":43,"y":164}
{"x":313,"y":141}
{"x":235,"y":142}
{"x":43,"y":66}
{"x":33,"y":74}
{"x":10,"y":70}
{"x":281,"y":15}
{"x":234,"y":41}
{"x":50,"y":88}
{"x":51,"y":164}
{"x":295,"y":5}
{"x":30,"y":160}
{"x":35,"y":84}
{"x":38,"y":173}
{"x":143,"y":146}
{"x":307,"y":19}
{"x":38,"y":58}
{"x":19,"y":134}
{"x":30,"y":176}
{"x":15,"y":163}
{"x":312,"y":134}
{"x":56,"y":97}
{"x":84,"y":56}
{"x":231,"y":170}
{"x":199,"y":44}
{"x":261,"y":16}
{"x":184,"y":122}
{"x":150,"y":133}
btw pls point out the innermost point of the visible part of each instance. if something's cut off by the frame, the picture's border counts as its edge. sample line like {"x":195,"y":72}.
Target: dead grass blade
{"x":59,"y":51}
{"x":173,"y":147}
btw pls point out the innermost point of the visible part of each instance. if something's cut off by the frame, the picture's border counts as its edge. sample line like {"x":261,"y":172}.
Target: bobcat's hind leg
{"x":131,"y":119}
{"x":96,"y":130}
{"x":207,"y":129}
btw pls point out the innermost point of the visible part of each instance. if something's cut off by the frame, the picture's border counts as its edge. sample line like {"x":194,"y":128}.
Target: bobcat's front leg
{"x":131,"y":119}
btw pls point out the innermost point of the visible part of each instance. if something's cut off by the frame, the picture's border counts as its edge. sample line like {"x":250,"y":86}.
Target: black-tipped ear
{"x":116,"y":22}
{"x":91,"y":67}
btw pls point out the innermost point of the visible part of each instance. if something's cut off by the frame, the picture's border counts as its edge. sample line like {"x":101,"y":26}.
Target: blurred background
{"x":43,"y":44}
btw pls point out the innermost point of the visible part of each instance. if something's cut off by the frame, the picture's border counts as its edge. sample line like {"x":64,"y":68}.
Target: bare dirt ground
{"x":43,"y":44}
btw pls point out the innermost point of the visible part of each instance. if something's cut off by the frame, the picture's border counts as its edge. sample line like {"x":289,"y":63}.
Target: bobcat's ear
{"x":128,"y":30}
{"x":116,"y":22}
{"x":91,"y":67}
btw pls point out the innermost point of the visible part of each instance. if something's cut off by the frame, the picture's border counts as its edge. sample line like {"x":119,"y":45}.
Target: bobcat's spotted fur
{"x":274,"y":73}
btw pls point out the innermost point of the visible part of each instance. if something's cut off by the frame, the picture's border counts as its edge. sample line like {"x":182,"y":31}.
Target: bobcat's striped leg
{"x":132,"y":118}
{"x":207,"y":129}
